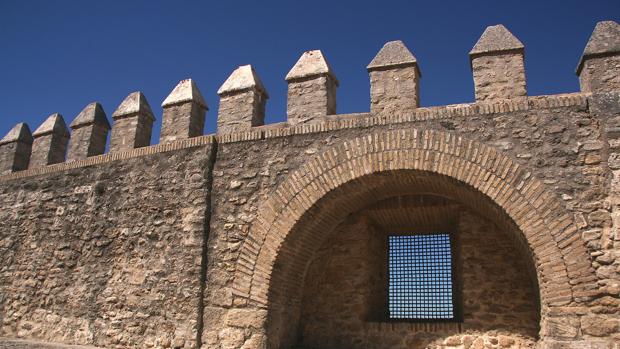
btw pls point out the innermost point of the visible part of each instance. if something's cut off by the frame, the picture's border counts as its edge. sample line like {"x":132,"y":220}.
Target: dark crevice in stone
{"x":205,"y":242}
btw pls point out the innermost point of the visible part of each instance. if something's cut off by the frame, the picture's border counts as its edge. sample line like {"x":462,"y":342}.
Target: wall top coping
{"x":329,"y":123}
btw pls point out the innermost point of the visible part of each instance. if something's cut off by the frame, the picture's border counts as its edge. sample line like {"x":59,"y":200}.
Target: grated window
{"x":420,"y":277}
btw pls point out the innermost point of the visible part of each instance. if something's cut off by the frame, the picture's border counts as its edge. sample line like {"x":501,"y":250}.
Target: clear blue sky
{"x":58,"y":56}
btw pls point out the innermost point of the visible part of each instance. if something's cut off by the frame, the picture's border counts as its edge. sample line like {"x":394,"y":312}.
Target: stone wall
{"x":108,"y":255}
{"x":600,"y":74}
{"x":499,"y":77}
{"x":217,"y":241}
{"x":310,"y":99}
{"x":498,"y":298}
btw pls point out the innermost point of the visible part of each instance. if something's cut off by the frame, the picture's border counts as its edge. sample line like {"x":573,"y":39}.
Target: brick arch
{"x":545,"y":224}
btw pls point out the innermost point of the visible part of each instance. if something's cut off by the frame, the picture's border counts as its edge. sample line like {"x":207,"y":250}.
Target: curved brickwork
{"x":547,"y":227}
{"x":245,"y":210}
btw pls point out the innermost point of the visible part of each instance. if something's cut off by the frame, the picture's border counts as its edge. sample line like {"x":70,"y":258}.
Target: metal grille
{"x":420,"y":270}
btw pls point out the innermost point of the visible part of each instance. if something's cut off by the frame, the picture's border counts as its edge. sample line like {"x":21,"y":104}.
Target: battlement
{"x":497,"y":63}
{"x":277,"y":236}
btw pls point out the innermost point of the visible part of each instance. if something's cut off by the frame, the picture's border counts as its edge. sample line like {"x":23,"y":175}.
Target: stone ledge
{"x":381,"y":326}
{"x":7,"y":343}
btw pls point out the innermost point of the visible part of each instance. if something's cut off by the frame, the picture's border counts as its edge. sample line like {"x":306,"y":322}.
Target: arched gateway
{"x":306,"y":208}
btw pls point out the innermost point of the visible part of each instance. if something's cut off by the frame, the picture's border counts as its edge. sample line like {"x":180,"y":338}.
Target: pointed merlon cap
{"x":92,"y":114}
{"x":310,"y":63}
{"x":243,"y":78}
{"x":185,"y":91}
{"x":133,"y":104}
{"x":605,"y":40}
{"x":496,"y":38}
{"x":54,"y":123}
{"x":392,"y":54}
{"x":20,"y":132}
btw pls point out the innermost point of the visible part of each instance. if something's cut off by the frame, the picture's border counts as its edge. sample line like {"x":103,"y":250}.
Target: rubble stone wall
{"x":232,"y":241}
{"x":556,"y":139}
{"x":108,"y":255}
{"x":498,"y":298}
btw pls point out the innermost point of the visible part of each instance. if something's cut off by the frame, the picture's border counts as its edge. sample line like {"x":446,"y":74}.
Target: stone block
{"x":15,"y":148}
{"x":50,"y":142}
{"x":599,"y":65}
{"x":133,"y":123}
{"x":184,"y":113}
{"x":242,"y":101}
{"x":394,"y":80}
{"x":89,"y":133}
{"x":497,"y":65}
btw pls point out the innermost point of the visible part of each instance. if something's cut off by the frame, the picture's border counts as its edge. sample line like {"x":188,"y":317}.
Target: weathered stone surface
{"x":133,"y":122}
{"x":243,"y":78}
{"x":19,"y":132}
{"x":394,"y":80}
{"x":185,"y":91}
{"x":599,"y":65}
{"x":311,"y":63}
{"x":497,"y":65}
{"x":275,"y":237}
{"x":605,"y":39}
{"x":50,"y":142}
{"x":496,"y":38}
{"x":242,"y":101}
{"x":89,"y":133}
{"x":393,"y":53}
{"x":311,"y":89}
{"x":116,"y":260}
{"x":15,"y":149}
{"x":600,"y":326}
{"x":338,"y":296}
{"x":184,"y":113}
{"x":26,"y":344}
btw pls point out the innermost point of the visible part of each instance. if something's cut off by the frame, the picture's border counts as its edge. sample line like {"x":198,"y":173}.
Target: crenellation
{"x":242,"y":101}
{"x":599,"y":65}
{"x":394,"y":80}
{"x":89,"y":133}
{"x":311,"y":89}
{"x":15,"y":149}
{"x":50,"y":142}
{"x":133,"y":123}
{"x":275,"y":236}
{"x":184,"y":113}
{"x":497,"y":65}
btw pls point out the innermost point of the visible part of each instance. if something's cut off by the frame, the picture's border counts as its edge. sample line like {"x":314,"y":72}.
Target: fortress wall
{"x":109,"y":249}
{"x":107,"y":255}
{"x":559,"y":141}
{"x":557,"y":137}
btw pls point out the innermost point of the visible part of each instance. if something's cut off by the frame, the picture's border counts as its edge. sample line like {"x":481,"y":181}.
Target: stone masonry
{"x":274,"y":236}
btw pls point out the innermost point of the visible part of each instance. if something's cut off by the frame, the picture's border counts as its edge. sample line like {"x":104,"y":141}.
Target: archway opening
{"x":329,"y":285}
